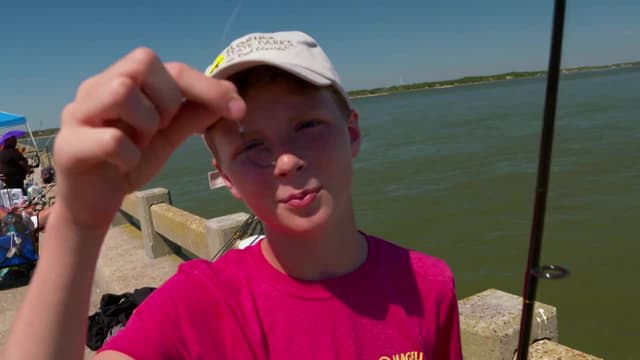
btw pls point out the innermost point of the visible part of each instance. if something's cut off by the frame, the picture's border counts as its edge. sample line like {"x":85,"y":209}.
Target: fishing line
{"x":252,"y":226}
{"x":230,"y":20}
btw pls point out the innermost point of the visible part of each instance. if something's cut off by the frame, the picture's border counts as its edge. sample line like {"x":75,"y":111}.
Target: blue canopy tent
{"x":11,"y":120}
{"x":8,"y":119}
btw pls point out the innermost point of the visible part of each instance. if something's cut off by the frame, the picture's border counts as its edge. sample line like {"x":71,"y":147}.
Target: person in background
{"x":14,"y":167}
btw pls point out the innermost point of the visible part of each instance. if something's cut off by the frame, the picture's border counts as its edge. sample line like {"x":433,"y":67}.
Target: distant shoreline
{"x":403,"y":91}
{"x":467,"y":80}
{"x":473,"y":80}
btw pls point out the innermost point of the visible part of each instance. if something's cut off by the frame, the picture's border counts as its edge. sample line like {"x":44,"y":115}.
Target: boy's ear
{"x":232,"y":189}
{"x":354,"y":133}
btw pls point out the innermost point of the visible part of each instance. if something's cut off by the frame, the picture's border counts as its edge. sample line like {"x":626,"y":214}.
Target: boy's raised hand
{"x":123,"y":125}
{"x":119,"y":130}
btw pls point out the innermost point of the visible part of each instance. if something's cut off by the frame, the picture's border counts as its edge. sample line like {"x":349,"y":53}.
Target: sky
{"x":49,"y":47}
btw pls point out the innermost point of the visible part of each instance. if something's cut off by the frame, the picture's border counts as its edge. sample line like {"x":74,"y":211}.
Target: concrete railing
{"x":165,"y":227}
{"x":490,"y":325}
{"x":489,"y":321}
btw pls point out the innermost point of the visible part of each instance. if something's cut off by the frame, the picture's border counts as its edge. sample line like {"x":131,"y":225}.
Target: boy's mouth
{"x":301,"y":198}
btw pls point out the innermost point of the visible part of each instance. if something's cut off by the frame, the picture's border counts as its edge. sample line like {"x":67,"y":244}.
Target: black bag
{"x":115,"y":311}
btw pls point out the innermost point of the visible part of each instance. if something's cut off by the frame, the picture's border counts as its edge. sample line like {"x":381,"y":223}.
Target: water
{"x":452,"y":172}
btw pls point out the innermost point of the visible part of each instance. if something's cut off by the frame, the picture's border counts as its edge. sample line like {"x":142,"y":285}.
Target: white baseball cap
{"x":292,"y":51}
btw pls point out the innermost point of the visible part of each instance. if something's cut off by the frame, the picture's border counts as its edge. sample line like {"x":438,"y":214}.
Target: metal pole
{"x":535,"y":242}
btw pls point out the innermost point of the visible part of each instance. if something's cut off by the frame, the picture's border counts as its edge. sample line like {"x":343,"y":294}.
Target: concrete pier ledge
{"x":490,"y":327}
{"x":549,"y":350}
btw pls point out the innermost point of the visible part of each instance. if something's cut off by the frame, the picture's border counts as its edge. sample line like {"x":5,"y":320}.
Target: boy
{"x":283,"y":137}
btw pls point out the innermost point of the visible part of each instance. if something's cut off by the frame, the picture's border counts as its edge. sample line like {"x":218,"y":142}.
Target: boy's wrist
{"x":62,"y":217}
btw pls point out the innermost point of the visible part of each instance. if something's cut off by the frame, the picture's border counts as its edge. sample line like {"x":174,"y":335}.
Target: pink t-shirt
{"x":399,"y":304}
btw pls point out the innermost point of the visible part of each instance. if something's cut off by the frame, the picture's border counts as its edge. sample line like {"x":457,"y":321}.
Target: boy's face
{"x":291,"y":164}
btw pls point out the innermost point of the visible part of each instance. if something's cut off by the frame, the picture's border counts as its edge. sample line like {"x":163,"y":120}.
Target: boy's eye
{"x":251,"y":145}
{"x":248,"y":146}
{"x":308,"y":124}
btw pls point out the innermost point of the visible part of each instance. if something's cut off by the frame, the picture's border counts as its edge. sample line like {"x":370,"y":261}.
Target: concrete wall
{"x":490,"y":326}
{"x":165,"y":227}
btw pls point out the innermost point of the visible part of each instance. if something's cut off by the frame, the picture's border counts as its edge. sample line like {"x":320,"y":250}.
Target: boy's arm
{"x":121,"y":128}
{"x":52,"y":321}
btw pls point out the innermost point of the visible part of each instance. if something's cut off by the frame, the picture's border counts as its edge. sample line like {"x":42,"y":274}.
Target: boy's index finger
{"x":146,"y":69}
{"x":219,"y":96}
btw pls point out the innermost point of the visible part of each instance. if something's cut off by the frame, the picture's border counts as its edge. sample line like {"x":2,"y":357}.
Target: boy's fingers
{"x":140,"y":107}
{"x":140,"y":115}
{"x":219,"y":96}
{"x":166,"y":87}
{"x":120,"y":102}
{"x":164,"y":143}
{"x":90,"y":146}
{"x":187,"y":122}
{"x":149,"y":73}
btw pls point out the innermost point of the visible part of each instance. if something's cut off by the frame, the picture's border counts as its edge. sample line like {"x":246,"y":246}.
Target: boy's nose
{"x":287,"y":164}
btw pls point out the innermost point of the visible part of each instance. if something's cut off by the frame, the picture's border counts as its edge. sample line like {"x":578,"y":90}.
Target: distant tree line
{"x":45,"y":132}
{"x":467,"y":80}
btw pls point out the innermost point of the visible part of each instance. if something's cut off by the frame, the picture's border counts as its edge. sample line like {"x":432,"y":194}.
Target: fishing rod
{"x":533,"y":270}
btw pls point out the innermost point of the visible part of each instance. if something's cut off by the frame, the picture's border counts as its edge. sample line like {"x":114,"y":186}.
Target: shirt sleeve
{"x":448,"y":344}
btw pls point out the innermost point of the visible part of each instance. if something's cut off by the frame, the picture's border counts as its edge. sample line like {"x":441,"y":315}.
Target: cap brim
{"x":299,"y":71}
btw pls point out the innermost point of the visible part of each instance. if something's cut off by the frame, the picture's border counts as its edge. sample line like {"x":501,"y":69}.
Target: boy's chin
{"x":307,"y":223}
